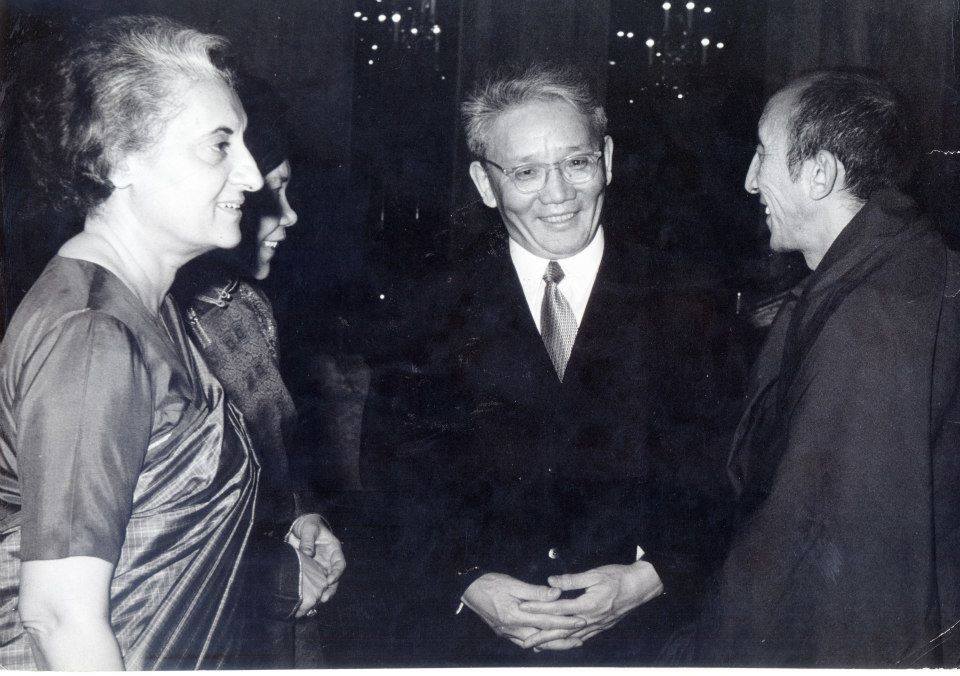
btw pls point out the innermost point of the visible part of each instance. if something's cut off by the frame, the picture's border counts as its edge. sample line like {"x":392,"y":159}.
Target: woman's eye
{"x":221,"y":148}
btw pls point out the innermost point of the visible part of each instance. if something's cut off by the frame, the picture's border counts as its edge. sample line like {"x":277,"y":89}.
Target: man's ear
{"x":608,"y":157}
{"x":825,"y":174}
{"x":482,"y":181}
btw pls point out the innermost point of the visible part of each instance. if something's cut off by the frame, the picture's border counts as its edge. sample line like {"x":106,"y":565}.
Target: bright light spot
{"x":667,"y":6}
{"x":679,"y":96}
{"x":357,"y":15}
{"x":374,"y":47}
{"x":363,"y":19}
{"x":691,"y":5}
{"x":414,"y":31}
{"x":659,"y":54}
{"x":705,"y":42}
{"x":435,"y":30}
{"x":630,"y":35}
{"x":443,"y":77}
{"x":620,"y":34}
{"x":613,"y":63}
{"x":395,"y":17}
{"x":631,"y":102}
{"x":650,"y":42}
{"x":382,"y":296}
{"x":707,"y":10}
{"x":370,"y":62}
{"x":382,"y":18}
{"x":719,"y":45}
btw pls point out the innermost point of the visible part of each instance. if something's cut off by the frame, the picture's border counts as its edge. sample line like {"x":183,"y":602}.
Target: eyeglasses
{"x":529,"y":178}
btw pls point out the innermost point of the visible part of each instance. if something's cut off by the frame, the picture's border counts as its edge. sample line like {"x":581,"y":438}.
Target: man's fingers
{"x":561,"y":644}
{"x":533,"y":592}
{"x":588,"y":633}
{"x":572,"y":581}
{"x":545,"y":636}
{"x":561,"y":607}
{"x":544,"y":621}
{"x":515,"y":634}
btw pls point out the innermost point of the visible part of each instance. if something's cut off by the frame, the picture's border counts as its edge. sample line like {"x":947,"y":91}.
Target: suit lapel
{"x":503,"y":320}
{"x":615,"y":301}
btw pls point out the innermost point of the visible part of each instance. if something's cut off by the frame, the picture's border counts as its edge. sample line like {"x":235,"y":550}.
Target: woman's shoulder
{"x":71,"y":299}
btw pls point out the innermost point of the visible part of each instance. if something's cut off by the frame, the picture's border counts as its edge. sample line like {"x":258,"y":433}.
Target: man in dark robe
{"x":845,"y":457}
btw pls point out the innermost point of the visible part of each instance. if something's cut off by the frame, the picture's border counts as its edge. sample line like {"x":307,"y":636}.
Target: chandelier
{"x":671,"y":48}
{"x":396,"y":24}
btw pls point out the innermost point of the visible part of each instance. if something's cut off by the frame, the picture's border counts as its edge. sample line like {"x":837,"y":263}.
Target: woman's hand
{"x":313,"y":539}
{"x":65,"y":608}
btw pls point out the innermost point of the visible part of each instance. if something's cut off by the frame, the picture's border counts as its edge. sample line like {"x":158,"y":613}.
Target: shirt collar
{"x":583,"y":265}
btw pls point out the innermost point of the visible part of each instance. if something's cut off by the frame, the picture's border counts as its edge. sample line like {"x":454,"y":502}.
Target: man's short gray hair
{"x":500,"y":92}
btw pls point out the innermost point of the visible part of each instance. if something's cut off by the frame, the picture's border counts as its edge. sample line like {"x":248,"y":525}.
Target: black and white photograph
{"x":390,"y":334}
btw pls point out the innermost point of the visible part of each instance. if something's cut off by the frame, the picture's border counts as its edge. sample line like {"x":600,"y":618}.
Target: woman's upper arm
{"x":61,"y":590}
{"x":84,"y":420}
{"x":64,"y":606}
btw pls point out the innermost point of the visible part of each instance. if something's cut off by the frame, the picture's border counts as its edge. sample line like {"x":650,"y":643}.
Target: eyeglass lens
{"x":576,"y":169}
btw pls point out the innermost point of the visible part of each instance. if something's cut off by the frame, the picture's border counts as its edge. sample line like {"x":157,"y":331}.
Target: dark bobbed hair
{"x":110,"y":94}
{"x":516,"y":86}
{"x":266,"y":134}
{"x":858,"y":118}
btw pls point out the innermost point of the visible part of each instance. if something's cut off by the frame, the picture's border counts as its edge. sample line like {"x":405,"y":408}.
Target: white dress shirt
{"x":579,"y":273}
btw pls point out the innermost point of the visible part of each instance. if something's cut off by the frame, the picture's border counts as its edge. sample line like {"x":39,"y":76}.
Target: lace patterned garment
{"x":233,"y":324}
{"x":116,"y":441}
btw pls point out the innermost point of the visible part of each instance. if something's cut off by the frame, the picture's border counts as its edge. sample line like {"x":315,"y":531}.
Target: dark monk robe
{"x":844,"y":461}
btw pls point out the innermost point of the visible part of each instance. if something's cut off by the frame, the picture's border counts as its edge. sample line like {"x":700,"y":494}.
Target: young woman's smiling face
{"x":277,"y":215}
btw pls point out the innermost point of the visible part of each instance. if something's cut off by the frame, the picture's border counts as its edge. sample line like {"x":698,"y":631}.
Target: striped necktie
{"x":558,"y":326}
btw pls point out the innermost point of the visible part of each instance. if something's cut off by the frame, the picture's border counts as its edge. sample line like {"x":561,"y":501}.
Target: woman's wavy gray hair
{"x":500,"y":92}
{"x":111,"y":94}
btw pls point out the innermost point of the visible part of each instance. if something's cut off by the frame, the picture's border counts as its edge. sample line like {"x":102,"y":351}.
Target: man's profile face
{"x":769,"y":176}
{"x":561,"y":219}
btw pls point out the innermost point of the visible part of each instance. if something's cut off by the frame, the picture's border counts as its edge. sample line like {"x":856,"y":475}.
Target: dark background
{"x":379,"y":163}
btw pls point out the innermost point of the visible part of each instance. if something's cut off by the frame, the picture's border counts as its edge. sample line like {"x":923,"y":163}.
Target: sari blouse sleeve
{"x":85,"y":416}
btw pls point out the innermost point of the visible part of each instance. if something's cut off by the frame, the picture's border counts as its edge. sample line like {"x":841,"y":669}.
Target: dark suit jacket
{"x":494,"y":465}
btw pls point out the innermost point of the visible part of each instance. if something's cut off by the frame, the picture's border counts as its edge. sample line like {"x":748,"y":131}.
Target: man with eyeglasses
{"x":522,"y":443}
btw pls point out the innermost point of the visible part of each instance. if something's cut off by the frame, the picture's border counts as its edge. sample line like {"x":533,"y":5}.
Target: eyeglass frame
{"x":510,"y":173}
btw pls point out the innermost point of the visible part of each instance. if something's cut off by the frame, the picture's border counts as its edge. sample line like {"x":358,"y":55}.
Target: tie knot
{"x":554,"y":273}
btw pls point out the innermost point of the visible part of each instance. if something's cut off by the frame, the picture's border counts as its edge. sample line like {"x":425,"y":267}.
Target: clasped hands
{"x":534,"y":616}
{"x":321,"y":561}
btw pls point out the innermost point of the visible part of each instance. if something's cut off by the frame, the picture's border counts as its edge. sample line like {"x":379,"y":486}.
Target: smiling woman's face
{"x":276,"y":217}
{"x":561,"y":219}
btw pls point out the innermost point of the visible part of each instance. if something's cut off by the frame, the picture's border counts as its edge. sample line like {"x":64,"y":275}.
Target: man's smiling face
{"x":561,"y":219}
{"x":769,"y":176}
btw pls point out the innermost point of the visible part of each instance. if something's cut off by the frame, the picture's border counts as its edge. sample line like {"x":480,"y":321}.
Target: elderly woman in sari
{"x":232,"y":321}
{"x":127,"y":483}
